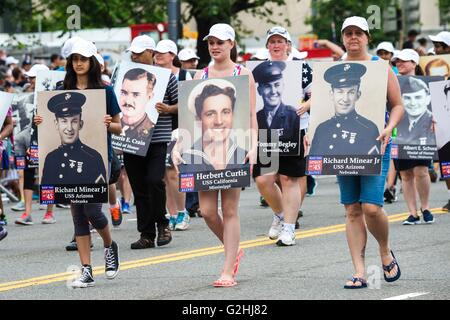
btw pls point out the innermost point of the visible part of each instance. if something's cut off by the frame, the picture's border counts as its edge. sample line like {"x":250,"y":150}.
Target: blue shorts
{"x":365,"y":189}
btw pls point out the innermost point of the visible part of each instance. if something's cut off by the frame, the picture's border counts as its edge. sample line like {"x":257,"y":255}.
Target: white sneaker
{"x":182,"y":222}
{"x":275,"y":228}
{"x":86,"y":279}
{"x":286,"y":238}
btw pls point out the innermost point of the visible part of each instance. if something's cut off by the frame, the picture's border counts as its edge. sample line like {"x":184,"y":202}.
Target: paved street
{"x":33,"y":261}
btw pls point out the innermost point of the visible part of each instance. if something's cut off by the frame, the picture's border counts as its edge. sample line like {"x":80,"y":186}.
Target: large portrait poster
{"x":415,"y":137}
{"x":23,"y":110}
{"x":279,"y":93}
{"x":438,"y":65}
{"x":440,"y":100}
{"x":214,"y":133}
{"x":347,"y":115}
{"x":138,"y":88}
{"x":72,"y":147}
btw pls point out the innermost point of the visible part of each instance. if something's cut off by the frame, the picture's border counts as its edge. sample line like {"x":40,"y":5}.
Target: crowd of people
{"x":152,"y":179}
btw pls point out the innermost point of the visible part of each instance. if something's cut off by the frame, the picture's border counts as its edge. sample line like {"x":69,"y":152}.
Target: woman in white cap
{"x":362,"y":196}
{"x":165,"y":55}
{"x":221,"y":40}
{"x":414,"y":173}
{"x":385,"y":50}
{"x":83,"y":72}
{"x":281,"y":189}
{"x":188,"y":58}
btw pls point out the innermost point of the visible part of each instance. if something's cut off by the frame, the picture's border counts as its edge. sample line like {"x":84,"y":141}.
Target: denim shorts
{"x":366,"y":189}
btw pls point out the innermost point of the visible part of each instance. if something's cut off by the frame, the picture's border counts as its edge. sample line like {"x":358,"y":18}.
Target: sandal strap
{"x":356,"y":279}
{"x":390,"y":266}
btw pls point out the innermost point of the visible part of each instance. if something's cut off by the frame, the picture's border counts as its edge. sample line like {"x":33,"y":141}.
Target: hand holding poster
{"x":415,"y":137}
{"x":73,"y":147}
{"x":346,"y":123}
{"x":138,"y":88}
{"x":440,"y":100}
{"x":214,"y":134}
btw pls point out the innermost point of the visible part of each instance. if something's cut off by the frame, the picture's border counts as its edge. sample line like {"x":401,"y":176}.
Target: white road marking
{"x":408,"y":296}
{"x":132,"y":220}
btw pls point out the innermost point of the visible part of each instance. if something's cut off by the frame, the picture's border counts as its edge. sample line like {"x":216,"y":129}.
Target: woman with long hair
{"x":83,"y":72}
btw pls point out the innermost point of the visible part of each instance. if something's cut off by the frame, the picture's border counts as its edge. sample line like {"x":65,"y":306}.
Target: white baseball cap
{"x":278,"y":30}
{"x":262,"y":54}
{"x":83,"y":47}
{"x":67,"y":47}
{"x":359,"y":22}
{"x":221,"y":31}
{"x":431,"y":51}
{"x":11,"y":60}
{"x":408,"y":55}
{"x":299,"y":54}
{"x":187,"y":54}
{"x":443,"y":36}
{"x":387,"y":46}
{"x":32,"y":73}
{"x":165,"y":46}
{"x":142,"y":43}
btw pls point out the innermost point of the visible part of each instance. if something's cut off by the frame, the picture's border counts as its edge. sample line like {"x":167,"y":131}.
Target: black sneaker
{"x":263,"y":202}
{"x":86,"y":278}
{"x":164,"y":235}
{"x":72,"y":246}
{"x":447,"y":206}
{"x":390,"y":195}
{"x":411,"y":221}
{"x":112,"y":262}
{"x":143,"y":243}
{"x":299,"y":215}
{"x":3,"y":233}
{"x":427,"y":216}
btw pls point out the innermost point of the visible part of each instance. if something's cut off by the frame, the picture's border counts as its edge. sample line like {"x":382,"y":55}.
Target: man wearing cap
{"x":415,"y":128}
{"x":441,"y":42}
{"x":347,"y":132}
{"x":188,"y":58}
{"x":135,"y":93}
{"x":146,"y":173}
{"x":72,"y":162}
{"x":275,"y":115}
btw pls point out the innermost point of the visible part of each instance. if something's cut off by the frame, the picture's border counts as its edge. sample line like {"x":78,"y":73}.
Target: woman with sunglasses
{"x":362,"y":196}
{"x":281,"y":189}
{"x":221,"y":40}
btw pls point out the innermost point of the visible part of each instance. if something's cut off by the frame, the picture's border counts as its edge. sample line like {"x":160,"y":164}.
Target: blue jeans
{"x":365,"y":189}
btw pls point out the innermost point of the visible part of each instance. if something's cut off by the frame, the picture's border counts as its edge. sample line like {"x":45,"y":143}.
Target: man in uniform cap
{"x":72,"y":162}
{"x":415,"y":127}
{"x":135,"y":93}
{"x":347,"y":132}
{"x":275,"y":115}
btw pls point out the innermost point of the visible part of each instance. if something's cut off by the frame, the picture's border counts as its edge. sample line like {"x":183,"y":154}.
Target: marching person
{"x":414,"y":173}
{"x":146,"y":173}
{"x":284,"y":198}
{"x":221,"y":41}
{"x":83,"y":72}
{"x":362,"y":196}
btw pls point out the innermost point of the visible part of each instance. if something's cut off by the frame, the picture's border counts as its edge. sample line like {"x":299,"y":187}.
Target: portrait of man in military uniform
{"x":416,"y":125}
{"x":347,"y":132}
{"x":135,"y":93}
{"x":276,"y":118}
{"x":72,"y":162}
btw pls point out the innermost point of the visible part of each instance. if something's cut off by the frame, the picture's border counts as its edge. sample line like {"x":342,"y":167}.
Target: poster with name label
{"x":347,"y":116}
{"x":214,"y":134}
{"x":138,"y":88}
{"x":23,"y":106}
{"x":440,"y":101}
{"x":72,"y":147}
{"x":415,"y":138}
{"x":279,"y":93}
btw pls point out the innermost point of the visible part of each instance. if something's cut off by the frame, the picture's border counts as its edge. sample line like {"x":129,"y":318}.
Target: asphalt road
{"x":33,"y":262}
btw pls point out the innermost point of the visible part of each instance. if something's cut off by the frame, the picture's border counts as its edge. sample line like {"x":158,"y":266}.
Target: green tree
{"x":328,"y":15}
{"x":444,"y":7}
{"x":209,"y":12}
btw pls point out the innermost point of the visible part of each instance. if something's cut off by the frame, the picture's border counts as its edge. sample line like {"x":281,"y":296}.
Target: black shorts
{"x":403,"y":165}
{"x":291,"y":166}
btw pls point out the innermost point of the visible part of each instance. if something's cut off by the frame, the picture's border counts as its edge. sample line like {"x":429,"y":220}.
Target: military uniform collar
{"x":77,"y":144}
{"x":139,"y":123}
{"x":351,"y":115}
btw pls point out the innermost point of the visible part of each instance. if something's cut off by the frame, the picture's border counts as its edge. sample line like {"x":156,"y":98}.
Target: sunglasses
{"x":278,"y":30}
